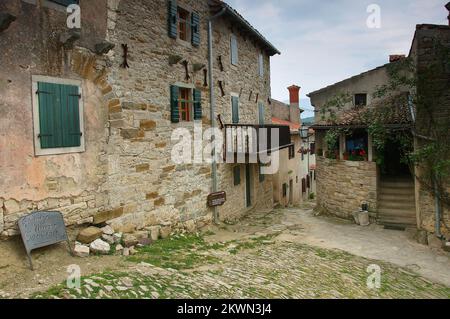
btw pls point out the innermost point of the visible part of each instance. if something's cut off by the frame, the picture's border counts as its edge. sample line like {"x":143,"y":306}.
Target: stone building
{"x":134,"y":73}
{"x":350,"y":172}
{"x":294,"y":181}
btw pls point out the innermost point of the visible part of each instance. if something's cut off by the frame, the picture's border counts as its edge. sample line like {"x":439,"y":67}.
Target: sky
{"x":324,"y":42}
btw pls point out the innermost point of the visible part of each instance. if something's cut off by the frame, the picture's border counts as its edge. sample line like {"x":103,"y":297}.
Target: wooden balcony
{"x":247,"y":140}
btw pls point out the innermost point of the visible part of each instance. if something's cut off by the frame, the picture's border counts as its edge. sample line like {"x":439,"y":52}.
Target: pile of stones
{"x":105,"y":241}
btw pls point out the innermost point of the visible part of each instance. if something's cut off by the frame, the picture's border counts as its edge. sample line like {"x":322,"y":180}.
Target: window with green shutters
{"x":183,"y":24}
{"x":235,"y":109}
{"x":58,"y":117}
{"x":185,"y":104}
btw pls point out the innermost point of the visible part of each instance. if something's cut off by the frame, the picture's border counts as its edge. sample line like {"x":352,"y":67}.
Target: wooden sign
{"x":217,"y":199}
{"x":42,"y":229}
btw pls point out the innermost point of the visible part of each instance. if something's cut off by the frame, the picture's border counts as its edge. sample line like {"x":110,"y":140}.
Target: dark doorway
{"x":393,"y":166}
{"x":248,"y":193}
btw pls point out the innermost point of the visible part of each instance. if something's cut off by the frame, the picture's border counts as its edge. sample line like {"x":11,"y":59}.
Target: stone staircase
{"x":396,"y":203}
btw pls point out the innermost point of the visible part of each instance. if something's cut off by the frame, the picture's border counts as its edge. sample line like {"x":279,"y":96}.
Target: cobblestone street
{"x":258,"y":263}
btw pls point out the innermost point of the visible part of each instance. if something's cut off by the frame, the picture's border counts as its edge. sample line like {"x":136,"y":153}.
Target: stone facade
{"x":126,"y":176}
{"x":342,"y":186}
{"x":425,"y":53}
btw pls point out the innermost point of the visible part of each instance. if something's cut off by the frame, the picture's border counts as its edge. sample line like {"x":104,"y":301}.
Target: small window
{"x":234,"y":50}
{"x":185,"y":104}
{"x":291,"y":152}
{"x":303,"y":185}
{"x":360,"y":100}
{"x":237,"y":175}
{"x":285,"y":186}
{"x":184,"y":18}
{"x":261,"y":65}
{"x":261,"y":113}
{"x":58,"y":116}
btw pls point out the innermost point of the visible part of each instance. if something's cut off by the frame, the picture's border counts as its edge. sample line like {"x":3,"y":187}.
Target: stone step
{"x":395,"y":191}
{"x":399,"y":204}
{"x":396,"y":212}
{"x":410,"y":198}
{"x":397,"y":222}
{"x":397,"y":184}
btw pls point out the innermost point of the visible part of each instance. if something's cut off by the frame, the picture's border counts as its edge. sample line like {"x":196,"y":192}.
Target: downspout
{"x":212,"y":107}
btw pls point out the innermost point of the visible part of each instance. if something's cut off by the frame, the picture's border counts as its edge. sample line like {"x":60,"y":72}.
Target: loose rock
{"x":88,"y":235}
{"x":107,"y":230}
{"x":81,"y":251}
{"x":101,"y":247}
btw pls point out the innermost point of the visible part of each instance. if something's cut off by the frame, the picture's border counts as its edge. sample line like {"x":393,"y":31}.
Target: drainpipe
{"x":212,"y":107}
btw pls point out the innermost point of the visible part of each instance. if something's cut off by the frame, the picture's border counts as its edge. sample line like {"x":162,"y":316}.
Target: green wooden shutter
{"x":197,"y":104}
{"x":65,"y":2}
{"x":234,"y":50}
{"x":195,"y":29}
{"x":48,"y":96}
{"x":59,"y":115}
{"x":174,"y":110}
{"x":70,"y":116}
{"x":237,"y":175}
{"x":173,"y":19}
{"x":235,"y":109}
{"x":261,"y":113}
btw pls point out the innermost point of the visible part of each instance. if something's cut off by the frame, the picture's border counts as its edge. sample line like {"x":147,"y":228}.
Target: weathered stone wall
{"x":143,"y":180}
{"x":126,"y":177}
{"x":425,"y":53}
{"x":342,"y":186}
{"x":70,"y":183}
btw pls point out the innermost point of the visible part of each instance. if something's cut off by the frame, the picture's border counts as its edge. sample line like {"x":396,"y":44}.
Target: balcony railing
{"x":249,"y":139}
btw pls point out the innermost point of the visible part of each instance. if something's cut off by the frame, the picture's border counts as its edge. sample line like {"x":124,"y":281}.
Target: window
{"x":234,"y":50}
{"x":356,"y":145}
{"x":360,"y":99}
{"x":58,"y":116}
{"x":291,"y":152}
{"x":235,"y":109}
{"x":237,"y":175}
{"x":303,"y":185}
{"x":186,"y":104}
{"x":183,"y":24}
{"x":285,"y":186}
{"x":261,"y":65}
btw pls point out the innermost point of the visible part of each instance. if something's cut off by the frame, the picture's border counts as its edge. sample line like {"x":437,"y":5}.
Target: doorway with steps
{"x":396,"y":192}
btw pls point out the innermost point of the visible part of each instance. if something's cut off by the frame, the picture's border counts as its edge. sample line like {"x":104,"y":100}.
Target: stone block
{"x":100,"y":247}
{"x":148,"y":125}
{"x":88,"y":235}
{"x":81,"y":250}
{"x":130,"y":240}
{"x":104,"y":216}
{"x":142,"y":168}
{"x":11,"y":206}
{"x":160,"y":201}
{"x":152,"y":195}
{"x":165,"y":231}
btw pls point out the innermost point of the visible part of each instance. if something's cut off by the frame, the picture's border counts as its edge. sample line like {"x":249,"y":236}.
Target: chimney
{"x":294,"y":102}
{"x":294,"y":93}
{"x":447,"y":6}
{"x":396,"y":57}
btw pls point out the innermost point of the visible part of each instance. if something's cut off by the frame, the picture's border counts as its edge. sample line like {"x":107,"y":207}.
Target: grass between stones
{"x":258,"y":268}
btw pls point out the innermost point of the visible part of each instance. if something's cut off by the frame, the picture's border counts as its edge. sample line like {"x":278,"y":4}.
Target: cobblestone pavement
{"x":229,"y":263}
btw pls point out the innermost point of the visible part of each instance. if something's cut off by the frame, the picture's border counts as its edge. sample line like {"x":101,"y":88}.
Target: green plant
{"x":312,"y":196}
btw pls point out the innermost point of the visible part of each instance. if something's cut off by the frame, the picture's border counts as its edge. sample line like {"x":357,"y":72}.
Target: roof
{"x":391,"y":111}
{"x":279,"y":103}
{"x":348,"y":79}
{"x":294,"y":127}
{"x":218,"y":5}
